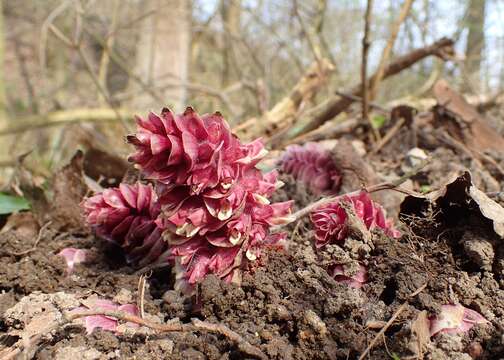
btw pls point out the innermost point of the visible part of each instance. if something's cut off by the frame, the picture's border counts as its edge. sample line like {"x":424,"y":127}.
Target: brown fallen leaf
{"x":462,"y":120}
{"x":421,"y":334}
{"x":24,"y":224}
{"x":69,"y":189}
{"x":459,"y":192}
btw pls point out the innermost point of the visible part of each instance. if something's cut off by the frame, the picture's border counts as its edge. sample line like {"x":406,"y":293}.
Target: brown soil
{"x":290,"y":308}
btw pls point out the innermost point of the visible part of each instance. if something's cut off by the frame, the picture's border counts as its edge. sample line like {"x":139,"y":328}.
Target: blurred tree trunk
{"x":162,"y":56}
{"x":3,"y":99}
{"x":231,"y":13}
{"x":4,"y":144}
{"x":475,"y":40}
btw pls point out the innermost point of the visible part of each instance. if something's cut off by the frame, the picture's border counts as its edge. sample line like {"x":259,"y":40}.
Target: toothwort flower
{"x":330,"y":221}
{"x":312,"y":165}
{"x":215,"y":213}
{"x":126,"y":216}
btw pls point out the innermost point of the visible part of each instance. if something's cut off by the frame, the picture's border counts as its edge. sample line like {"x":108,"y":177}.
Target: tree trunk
{"x":4,"y":144}
{"x":3,"y":98}
{"x":475,"y":40}
{"x":162,"y":59}
{"x":231,"y":11}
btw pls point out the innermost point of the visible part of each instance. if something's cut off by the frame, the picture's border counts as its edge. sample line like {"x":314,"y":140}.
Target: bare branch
{"x":388,"y":48}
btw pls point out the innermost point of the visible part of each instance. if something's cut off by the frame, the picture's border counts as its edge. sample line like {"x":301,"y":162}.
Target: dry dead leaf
{"x":461,"y":192}
{"x":69,"y":190}
{"x":421,"y":333}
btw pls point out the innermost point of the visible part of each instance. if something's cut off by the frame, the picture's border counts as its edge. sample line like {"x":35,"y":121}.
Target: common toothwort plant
{"x":330,"y":223}
{"x":312,"y":165}
{"x":209,"y":209}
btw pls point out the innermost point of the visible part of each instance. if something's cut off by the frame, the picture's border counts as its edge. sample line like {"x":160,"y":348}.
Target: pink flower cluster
{"x":126,"y":216}
{"x":211,"y":202}
{"x":312,"y":165}
{"x":330,"y":223}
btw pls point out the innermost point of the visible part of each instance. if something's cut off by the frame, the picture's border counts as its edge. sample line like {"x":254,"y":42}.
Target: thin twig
{"x":314,"y":48}
{"x":397,"y":126}
{"x":89,"y":68}
{"x":373,"y":86}
{"x":173,"y":326}
{"x":103,"y":91}
{"x":365,"y":50}
{"x":141,"y":293}
{"x":391,"y":320}
{"x":394,"y":185}
{"x":358,"y":98}
{"x":35,"y":244}
{"x":105,"y":59}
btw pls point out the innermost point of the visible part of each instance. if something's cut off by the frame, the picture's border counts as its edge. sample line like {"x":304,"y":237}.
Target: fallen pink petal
{"x":73,"y":257}
{"x":105,"y":322}
{"x":341,"y":275}
{"x":454,"y":319}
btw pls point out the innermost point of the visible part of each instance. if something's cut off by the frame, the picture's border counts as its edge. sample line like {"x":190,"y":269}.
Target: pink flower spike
{"x":330,"y":221}
{"x":186,"y":149}
{"x":127,"y":216}
{"x":210,"y":212}
{"x":454,"y":319}
{"x":73,"y":257}
{"x":312,"y":165}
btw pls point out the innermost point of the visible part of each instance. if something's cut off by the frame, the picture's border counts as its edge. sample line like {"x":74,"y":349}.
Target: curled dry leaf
{"x":458,"y":192}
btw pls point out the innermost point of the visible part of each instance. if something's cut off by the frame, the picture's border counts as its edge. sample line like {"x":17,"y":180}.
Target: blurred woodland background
{"x":76,"y":71}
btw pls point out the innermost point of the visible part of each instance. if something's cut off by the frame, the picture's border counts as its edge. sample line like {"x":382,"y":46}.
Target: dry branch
{"x":333,"y":106}
{"x":373,"y":86}
{"x":365,"y":49}
{"x":173,"y":326}
{"x":67,"y":117}
{"x":284,"y":112}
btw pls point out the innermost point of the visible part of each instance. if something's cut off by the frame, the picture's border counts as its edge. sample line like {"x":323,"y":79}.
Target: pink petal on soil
{"x":455,"y":319}
{"x":73,"y":257}
{"x":101,"y":322}
{"x":355,"y":281}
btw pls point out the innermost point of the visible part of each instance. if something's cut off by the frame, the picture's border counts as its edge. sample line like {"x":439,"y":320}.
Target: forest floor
{"x":450,"y":252}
